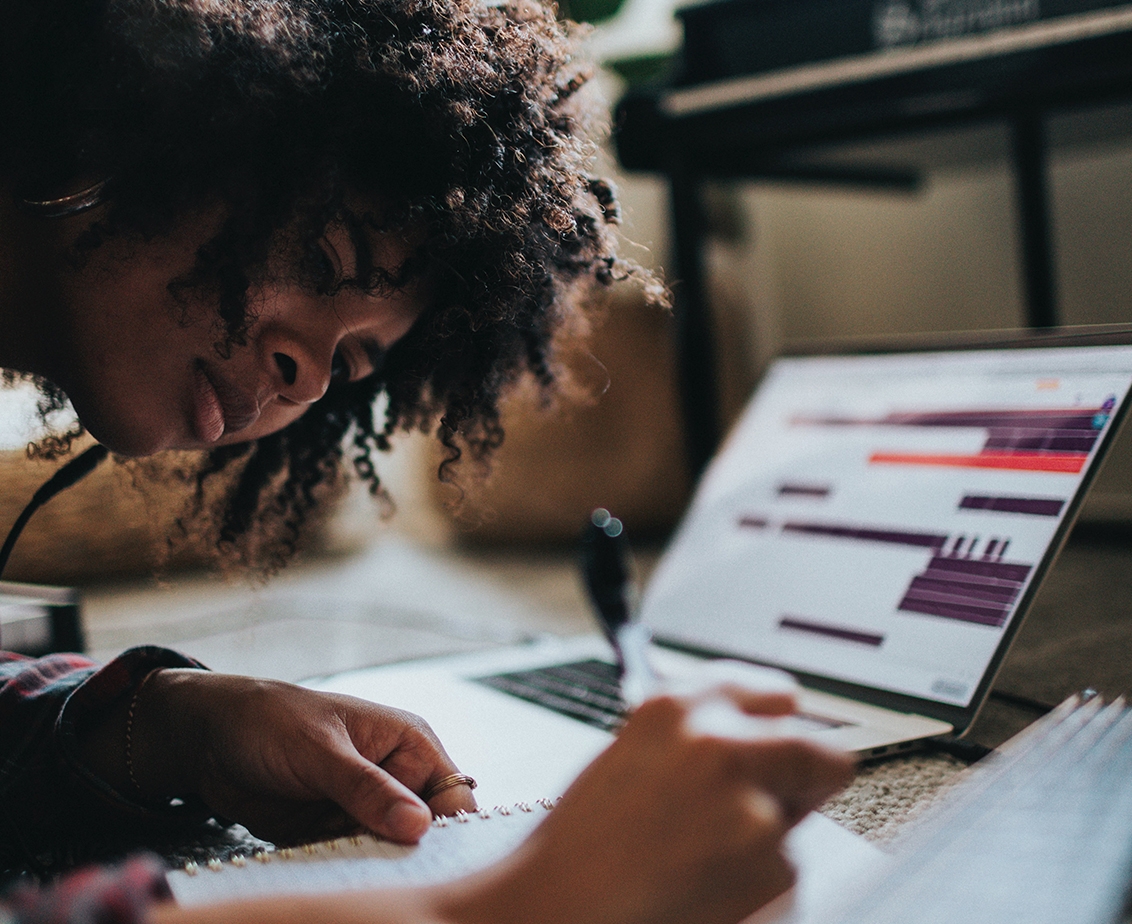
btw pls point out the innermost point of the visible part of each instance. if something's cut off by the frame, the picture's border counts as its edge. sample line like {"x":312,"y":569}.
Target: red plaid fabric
{"x":51,"y":806}
{"x":98,"y":895}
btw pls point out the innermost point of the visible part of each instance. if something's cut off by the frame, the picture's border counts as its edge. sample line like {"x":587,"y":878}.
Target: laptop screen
{"x":877,"y":519}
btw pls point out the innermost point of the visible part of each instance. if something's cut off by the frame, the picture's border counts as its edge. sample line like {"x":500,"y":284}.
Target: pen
{"x":605,"y":567}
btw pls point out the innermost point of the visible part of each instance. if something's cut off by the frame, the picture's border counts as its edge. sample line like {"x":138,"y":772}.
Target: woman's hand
{"x":289,"y":763}
{"x":671,"y":824}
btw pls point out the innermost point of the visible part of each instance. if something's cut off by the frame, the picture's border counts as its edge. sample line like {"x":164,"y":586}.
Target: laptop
{"x":876,"y":524}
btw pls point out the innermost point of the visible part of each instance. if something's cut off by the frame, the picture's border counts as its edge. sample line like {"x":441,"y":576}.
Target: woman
{"x":233,"y":226}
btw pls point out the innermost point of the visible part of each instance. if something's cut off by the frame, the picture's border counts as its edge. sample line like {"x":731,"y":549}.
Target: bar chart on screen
{"x":1054,"y":439}
{"x":879,"y":519}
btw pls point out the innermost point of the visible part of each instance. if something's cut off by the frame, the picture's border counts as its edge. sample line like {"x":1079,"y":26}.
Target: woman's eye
{"x":339,"y":369}
{"x":326,"y":271}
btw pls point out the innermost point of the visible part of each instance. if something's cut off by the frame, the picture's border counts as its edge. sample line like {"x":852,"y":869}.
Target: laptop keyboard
{"x":585,"y":690}
{"x":590,"y":692}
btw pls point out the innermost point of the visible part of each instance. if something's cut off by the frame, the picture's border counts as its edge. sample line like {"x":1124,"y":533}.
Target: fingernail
{"x":406,"y":819}
{"x":763,"y":808}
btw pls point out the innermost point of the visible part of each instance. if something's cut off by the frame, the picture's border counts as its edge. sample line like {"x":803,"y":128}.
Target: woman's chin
{"x":134,"y":439}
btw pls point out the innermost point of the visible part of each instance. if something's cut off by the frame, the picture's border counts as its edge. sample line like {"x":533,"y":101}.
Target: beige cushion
{"x":619,"y":446}
{"x":115,"y":523}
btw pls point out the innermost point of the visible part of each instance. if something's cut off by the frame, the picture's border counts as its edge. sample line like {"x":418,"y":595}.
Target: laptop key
{"x":585,"y":690}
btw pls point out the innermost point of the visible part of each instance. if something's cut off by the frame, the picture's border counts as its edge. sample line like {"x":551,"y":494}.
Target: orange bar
{"x":1067,"y":462}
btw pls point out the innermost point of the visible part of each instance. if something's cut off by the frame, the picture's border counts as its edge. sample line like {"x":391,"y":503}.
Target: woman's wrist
{"x":141,"y":745}
{"x":164,"y":741}
{"x":131,"y":715}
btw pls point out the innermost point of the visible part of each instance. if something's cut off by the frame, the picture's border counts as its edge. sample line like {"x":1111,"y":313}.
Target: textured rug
{"x":886,"y":796}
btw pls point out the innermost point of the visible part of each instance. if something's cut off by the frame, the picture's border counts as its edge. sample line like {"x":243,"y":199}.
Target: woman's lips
{"x":219,"y":407}
{"x":208,"y":415}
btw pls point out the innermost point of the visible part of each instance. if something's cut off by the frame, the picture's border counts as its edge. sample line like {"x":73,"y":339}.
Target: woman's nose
{"x":287,"y":367}
{"x":304,"y":378}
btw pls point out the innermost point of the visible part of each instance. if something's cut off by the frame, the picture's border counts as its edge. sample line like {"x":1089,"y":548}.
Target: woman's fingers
{"x":451,"y":799}
{"x":680,"y":825}
{"x":384,"y":784}
{"x":375,"y":798}
{"x":289,"y":754}
{"x":416,"y":757}
{"x":798,"y":774}
{"x":754,"y":689}
{"x":731,"y":728}
{"x":723,"y":692}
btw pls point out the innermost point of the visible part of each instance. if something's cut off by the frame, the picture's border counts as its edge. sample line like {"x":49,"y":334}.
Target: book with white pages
{"x":829,"y":860}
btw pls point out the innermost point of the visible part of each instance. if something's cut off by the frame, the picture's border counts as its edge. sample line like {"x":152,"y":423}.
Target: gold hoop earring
{"x":65,"y":206}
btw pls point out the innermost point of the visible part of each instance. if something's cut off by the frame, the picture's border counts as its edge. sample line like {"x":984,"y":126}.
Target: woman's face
{"x":142,"y":368}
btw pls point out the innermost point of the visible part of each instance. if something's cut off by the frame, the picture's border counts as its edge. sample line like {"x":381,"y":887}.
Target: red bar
{"x":1067,"y":462}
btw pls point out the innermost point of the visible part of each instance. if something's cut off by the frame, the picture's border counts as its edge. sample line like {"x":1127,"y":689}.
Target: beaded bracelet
{"x":130,"y":730}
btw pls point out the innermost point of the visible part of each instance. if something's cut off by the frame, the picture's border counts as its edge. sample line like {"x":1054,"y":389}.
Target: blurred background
{"x":909,"y":225}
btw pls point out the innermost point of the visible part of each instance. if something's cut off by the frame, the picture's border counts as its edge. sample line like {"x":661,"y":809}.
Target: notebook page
{"x":449,"y":849}
{"x":829,"y":859}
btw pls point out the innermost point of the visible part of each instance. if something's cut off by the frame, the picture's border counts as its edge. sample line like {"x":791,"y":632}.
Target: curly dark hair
{"x":462,"y":119}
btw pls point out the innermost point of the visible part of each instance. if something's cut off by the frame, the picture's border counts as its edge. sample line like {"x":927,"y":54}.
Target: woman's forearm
{"x":464,"y":902}
{"x":394,"y":907}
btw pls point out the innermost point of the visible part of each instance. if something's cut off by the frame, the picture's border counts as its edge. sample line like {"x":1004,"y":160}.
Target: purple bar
{"x":989,"y":608}
{"x":969,"y":590}
{"x":990,"y":569}
{"x":838,"y":632}
{"x":1033,"y":506}
{"x":791,"y":489}
{"x":950,"y":611}
{"x":753,"y":522}
{"x":1046,"y":420}
{"x":920,"y":540}
{"x":1002,"y":588}
{"x":1049,"y":422}
{"x":1052,"y":430}
{"x":970,"y":580}
{"x":1045,"y":441}
{"x":931,"y":584}
{"x":1028,"y":432}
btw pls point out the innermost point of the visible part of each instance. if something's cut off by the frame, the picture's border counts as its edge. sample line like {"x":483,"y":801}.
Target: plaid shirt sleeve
{"x":51,"y":806}
{"x":97,"y":895}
